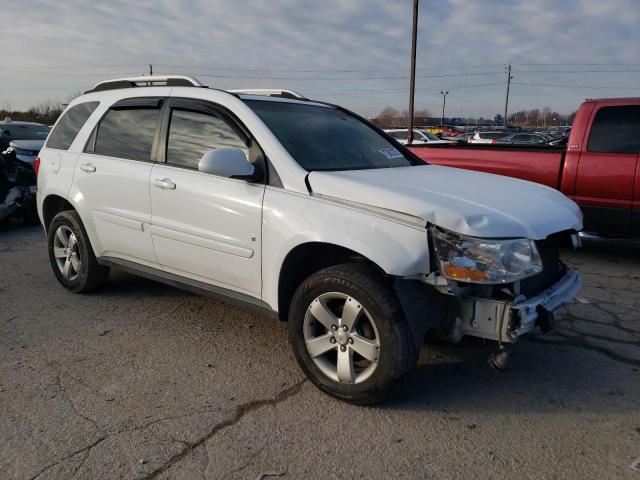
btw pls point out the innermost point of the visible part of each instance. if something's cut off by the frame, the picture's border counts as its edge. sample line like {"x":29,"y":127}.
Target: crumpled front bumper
{"x":529,"y":311}
{"x":506,"y":321}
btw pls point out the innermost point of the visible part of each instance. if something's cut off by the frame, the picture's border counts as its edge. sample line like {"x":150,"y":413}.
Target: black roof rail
{"x":270,"y":92}
{"x":148,"y":81}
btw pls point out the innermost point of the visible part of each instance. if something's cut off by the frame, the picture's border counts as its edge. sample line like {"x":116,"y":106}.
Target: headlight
{"x":485,"y":260}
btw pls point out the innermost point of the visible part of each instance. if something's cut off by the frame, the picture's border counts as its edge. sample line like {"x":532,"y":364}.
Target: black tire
{"x":396,"y":355}
{"x":91,"y":274}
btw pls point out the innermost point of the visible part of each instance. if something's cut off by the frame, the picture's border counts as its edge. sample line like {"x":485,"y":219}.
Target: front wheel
{"x":349,"y":334}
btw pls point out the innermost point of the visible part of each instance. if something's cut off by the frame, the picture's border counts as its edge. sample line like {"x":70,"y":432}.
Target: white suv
{"x":304,"y":210}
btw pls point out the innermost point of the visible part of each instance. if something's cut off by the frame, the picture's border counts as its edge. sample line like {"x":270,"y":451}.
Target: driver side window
{"x":192,"y":134}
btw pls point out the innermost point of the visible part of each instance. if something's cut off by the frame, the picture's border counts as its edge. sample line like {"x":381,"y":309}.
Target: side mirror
{"x":229,"y":162}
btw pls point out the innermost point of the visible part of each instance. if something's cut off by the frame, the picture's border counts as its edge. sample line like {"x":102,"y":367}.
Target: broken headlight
{"x":485,"y":260}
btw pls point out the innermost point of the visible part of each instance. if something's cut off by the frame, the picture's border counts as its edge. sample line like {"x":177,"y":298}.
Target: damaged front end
{"x":503,"y":310}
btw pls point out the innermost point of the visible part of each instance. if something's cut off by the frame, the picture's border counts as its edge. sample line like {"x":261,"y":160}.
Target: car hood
{"x":463,"y":201}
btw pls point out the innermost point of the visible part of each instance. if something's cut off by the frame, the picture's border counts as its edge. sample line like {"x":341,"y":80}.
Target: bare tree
{"x":389,"y":117}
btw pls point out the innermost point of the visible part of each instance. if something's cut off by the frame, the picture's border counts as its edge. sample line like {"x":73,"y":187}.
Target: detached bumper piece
{"x":506,"y":321}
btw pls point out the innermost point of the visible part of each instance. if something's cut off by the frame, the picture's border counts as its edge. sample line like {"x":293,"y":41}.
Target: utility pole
{"x":150,"y":69}
{"x":506,"y":101}
{"x":444,"y":102}
{"x":412,"y":82}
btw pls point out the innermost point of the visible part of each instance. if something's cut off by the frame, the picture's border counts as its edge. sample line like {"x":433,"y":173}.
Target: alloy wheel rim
{"x":341,"y":338}
{"x":66,"y":252}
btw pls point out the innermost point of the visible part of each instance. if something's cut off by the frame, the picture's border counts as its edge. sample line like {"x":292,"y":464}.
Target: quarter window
{"x":616,"y":130}
{"x":192,"y":134}
{"x":127,"y":133}
{"x":69,"y":125}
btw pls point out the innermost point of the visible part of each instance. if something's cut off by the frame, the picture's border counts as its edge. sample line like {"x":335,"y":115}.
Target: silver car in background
{"x":25,"y":138}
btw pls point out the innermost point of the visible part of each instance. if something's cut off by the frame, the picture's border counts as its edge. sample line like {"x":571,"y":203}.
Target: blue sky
{"x":355,"y":53}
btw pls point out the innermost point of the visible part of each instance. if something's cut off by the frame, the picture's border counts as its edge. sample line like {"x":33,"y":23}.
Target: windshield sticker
{"x":391,"y":153}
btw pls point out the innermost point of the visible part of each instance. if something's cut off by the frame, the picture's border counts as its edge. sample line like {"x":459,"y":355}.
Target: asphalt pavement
{"x":145,"y":381}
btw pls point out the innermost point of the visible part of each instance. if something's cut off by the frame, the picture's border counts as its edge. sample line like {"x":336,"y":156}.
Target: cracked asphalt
{"x":144,"y":381}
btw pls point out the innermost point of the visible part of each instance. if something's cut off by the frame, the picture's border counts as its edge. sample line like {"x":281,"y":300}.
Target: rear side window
{"x":192,"y":134}
{"x":616,"y":130}
{"x":127,"y":133}
{"x":69,"y":125}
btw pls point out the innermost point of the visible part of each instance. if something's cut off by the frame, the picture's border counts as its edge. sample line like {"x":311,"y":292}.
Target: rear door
{"x":205,"y":227}
{"x":58,"y":159}
{"x":607,"y":166}
{"x":113,"y":175}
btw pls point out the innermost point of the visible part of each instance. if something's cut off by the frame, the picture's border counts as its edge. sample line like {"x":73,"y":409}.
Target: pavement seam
{"x":239,"y":412}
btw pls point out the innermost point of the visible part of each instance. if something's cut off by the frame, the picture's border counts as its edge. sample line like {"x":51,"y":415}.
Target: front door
{"x":205,"y":227}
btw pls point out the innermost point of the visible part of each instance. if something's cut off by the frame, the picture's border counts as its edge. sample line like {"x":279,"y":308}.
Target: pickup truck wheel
{"x":71,"y":255}
{"x":349,"y":334}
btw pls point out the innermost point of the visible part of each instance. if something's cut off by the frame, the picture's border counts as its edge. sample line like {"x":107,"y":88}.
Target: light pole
{"x":506,"y":100}
{"x":444,"y":102}
{"x":412,"y":82}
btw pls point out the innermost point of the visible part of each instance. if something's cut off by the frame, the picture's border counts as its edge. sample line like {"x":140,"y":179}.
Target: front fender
{"x":291,"y":219}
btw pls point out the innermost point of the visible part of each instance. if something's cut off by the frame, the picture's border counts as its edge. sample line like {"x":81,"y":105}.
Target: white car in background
{"x":420,"y":137}
{"x":487,"y":137}
{"x":351,"y":238}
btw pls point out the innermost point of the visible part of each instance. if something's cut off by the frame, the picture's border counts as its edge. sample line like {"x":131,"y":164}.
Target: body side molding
{"x":195,"y":286}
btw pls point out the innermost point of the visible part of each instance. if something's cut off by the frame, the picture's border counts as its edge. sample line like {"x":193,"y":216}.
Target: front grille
{"x":549,"y":250}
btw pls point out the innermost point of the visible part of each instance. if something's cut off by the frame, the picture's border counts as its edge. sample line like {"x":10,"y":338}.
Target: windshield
{"x":430,"y":135}
{"x":325,"y":138}
{"x":26,"y":132}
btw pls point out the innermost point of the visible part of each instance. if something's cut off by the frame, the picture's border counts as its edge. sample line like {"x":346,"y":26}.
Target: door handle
{"x":87,"y":167}
{"x":164,"y":183}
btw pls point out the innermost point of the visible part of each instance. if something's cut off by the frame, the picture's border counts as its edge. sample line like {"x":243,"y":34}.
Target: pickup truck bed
{"x":540,"y":164}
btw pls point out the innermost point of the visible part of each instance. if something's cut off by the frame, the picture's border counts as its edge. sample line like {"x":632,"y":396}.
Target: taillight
{"x":36,"y":165}
{"x":493,"y":142}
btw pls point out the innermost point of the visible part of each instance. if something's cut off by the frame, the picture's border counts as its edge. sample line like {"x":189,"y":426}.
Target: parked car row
{"x":506,"y":137}
{"x":420,"y":137}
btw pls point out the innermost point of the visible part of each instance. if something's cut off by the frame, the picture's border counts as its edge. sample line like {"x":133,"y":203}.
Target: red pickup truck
{"x":599,"y":168}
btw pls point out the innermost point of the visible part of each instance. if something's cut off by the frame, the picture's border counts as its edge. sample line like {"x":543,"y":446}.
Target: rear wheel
{"x":349,"y":335}
{"x":72,"y":259}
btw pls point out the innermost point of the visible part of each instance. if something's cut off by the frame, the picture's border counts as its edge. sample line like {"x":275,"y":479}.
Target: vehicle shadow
{"x":456,"y":378}
{"x":123,"y":284}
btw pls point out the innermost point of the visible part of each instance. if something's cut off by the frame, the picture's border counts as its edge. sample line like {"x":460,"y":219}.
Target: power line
{"x":265,"y":69}
{"x":401,"y":90}
{"x":578,"y":71}
{"x":575,"y":64}
{"x":290,"y":68}
{"x":574,"y":86}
